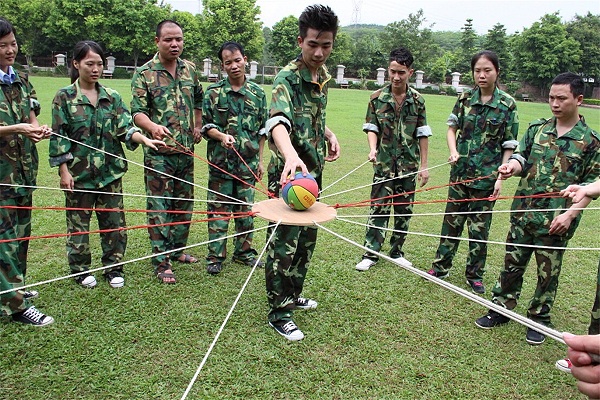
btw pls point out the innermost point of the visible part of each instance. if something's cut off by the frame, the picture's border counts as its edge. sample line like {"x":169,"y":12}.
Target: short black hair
{"x":402,"y":56}
{"x":318,"y":17}
{"x":163,"y":23}
{"x":232,"y":47}
{"x":6,"y":28}
{"x":574,"y":81}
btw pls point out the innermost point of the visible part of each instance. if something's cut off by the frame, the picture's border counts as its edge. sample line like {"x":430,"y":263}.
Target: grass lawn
{"x":382,"y":334}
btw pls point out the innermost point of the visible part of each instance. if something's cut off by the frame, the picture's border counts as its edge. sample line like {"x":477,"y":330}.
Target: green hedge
{"x":592,"y":102}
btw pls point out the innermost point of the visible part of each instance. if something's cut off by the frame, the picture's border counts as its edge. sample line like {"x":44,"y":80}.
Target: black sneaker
{"x":214,"y":268}
{"x":305,"y":304}
{"x":476,"y":287}
{"x":491,"y":319}
{"x":249,"y":262}
{"x":534,"y":338}
{"x":288,"y":330}
{"x":86,"y":280}
{"x":32,"y":316}
{"x":30,"y":294}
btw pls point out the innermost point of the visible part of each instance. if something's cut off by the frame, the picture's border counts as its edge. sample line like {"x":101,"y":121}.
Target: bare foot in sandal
{"x":166,"y":276}
{"x":187,"y":259}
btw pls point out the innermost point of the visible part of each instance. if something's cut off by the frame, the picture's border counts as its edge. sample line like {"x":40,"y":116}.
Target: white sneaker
{"x":564,"y":365}
{"x":402,"y":261}
{"x":87,"y":281}
{"x":115,"y":279}
{"x":288,"y":330}
{"x":365,"y":264}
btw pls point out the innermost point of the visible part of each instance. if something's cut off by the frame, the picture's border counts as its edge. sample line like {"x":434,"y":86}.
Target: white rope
{"x":460,"y":213}
{"x":214,"y":342}
{"x":472,"y":240}
{"x":345,"y":176}
{"x":148,"y":168}
{"x":127,"y":262}
{"x":385,"y":180}
{"x":119,"y":194}
{"x":471,"y":296}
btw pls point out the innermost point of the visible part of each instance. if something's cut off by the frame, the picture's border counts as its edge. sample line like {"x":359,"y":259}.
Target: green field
{"x":382,"y":334}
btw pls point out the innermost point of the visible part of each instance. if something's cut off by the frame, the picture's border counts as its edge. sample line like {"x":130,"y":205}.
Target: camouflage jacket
{"x":102,"y":127}
{"x":299,"y":104}
{"x":241,"y":114}
{"x":484,"y":131}
{"x":551,"y":163}
{"x":18,"y":155}
{"x":398,"y":130}
{"x":168,"y":101}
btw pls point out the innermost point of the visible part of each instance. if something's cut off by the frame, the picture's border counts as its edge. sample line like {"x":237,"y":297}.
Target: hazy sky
{"x":446,"y":15}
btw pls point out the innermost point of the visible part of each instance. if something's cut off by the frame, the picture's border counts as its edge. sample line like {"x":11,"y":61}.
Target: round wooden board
{"x":275,"y":210}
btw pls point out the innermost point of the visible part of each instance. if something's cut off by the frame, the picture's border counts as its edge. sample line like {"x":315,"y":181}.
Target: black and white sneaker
{"x":115,"y":278}
{"x":86,"y":280}
{"x":534,"y":338}
{"x":288,"y":330}
{"x":32,"y":316}
{"x":305,"y":304}
{"x":30,"y":294}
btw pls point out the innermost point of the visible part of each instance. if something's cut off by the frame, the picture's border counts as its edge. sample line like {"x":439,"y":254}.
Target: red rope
{"x":56,"y":208}
{"x":123,"y":228}
{"x":188,"y":152}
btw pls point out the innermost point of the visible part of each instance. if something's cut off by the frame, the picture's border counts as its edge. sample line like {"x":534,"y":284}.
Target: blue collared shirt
{"x":9,"y":77}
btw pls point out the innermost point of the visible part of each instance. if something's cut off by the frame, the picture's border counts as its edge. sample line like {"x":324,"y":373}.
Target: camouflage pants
{"x":14,"y":223}
{"x":478,"y":226}
{"x":402,"y":189}
{"x":113,"y":243}
{"x":165,"y":238}
{"x":288,"y":257}
{"x":507,"y":290}
{"x":594,"y":328}
{"x":217,"y":250}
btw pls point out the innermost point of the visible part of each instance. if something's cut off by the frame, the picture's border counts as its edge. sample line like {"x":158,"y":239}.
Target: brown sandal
{"x":187,"y":259}
{"x":168,"y":278}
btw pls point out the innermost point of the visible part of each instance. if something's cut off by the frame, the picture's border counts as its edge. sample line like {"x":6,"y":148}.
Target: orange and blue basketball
{"x":300,"y":193}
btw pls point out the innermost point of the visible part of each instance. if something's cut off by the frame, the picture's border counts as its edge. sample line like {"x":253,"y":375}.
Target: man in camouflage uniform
{"x":397,"y":132}
{"x":167,"y":104}
{"x":234,"y":114}
{"x":298,"y":139}
{"x":582,"y":196}
{"x":553,"y":154}
{"x":19,"y":131}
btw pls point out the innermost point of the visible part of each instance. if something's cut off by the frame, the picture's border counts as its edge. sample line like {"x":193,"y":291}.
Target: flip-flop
{"x":187,"y":259}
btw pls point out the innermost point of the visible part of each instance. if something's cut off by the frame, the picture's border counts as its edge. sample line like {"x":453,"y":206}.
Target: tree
{"x":192,"y":35}
{"x":468,"y":47}
{"x":367,"y":55}
{"x":342,"y":51}
{"x":126,"y":26}
{"x":25,"y":16}
{"x":237,"y":20}
{"x":284,"y":44}
{"x":544,"y":50}
{"x":586,"y":31}
{"x":410,"y":34}
{"x":497,"y":41}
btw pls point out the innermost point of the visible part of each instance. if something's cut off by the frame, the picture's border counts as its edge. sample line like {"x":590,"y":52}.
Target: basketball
{"x":300,"y":193}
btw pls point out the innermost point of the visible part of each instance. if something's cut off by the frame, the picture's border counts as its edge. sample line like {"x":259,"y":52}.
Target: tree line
{"x":126,"y":28}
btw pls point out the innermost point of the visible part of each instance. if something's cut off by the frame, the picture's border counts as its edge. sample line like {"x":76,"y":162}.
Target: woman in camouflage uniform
{"x":482,"y":134}
{"x":97,"y":121}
